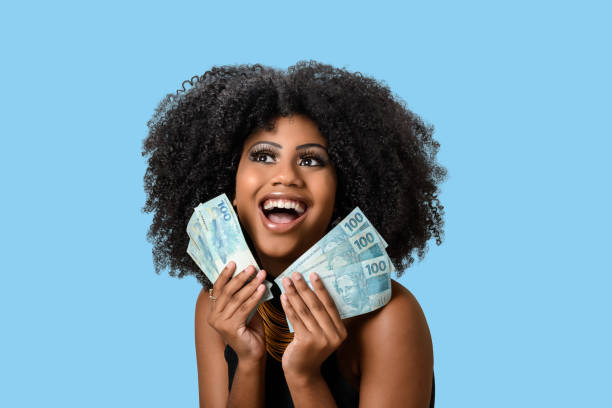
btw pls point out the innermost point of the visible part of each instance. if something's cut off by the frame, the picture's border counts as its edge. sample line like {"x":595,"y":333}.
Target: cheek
{"x":325,"y":189}
{"x":246,"y":182}
{"x":246,"y":186}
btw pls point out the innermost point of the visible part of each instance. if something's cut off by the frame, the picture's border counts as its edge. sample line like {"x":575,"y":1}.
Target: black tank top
{"x":277,"y":393}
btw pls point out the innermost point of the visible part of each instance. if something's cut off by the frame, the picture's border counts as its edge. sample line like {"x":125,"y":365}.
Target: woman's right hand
{"x":234,"y":301}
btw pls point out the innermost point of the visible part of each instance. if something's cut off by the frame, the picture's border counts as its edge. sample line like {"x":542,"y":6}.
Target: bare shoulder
{"x":402,"y":316}
{"x":396,"y":353}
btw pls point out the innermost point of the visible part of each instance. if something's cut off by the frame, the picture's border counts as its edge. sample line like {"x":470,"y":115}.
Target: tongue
{"x":281,"y":217}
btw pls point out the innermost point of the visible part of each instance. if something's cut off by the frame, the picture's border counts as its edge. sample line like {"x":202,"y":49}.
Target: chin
{"x":285,"y":247}
{"x":281,"y":252}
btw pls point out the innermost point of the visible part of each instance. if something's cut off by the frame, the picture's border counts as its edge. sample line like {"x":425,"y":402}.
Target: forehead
{"x":289,"y":131}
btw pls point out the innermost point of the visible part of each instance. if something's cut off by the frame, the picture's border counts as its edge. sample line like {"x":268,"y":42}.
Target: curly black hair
{"x":384,"y":155}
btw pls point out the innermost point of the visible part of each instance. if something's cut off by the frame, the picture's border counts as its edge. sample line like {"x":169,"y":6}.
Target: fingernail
{"x":286,"y":282}
{"x":283,"y":298}
{"x":261,"y":288}
{"x":261,"y":274}
{"x":296,"y":276}
{"x":315,"y":276}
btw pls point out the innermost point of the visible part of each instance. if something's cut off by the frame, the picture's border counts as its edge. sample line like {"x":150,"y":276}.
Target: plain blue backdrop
{"x":519,"y":93}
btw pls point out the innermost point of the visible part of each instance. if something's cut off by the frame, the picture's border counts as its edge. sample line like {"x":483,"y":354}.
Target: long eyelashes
{"x":260,"y":152}
{"x":311,"y":154}
{"x":266,"y":155}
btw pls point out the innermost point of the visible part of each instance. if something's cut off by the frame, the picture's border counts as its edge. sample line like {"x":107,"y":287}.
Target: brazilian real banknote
{"x":352,"y":263}
{"x":216,"y":238}
{"x":353,"y":224}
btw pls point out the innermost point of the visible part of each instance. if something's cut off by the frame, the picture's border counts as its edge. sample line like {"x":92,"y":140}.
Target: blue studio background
{"x":519,"y":93}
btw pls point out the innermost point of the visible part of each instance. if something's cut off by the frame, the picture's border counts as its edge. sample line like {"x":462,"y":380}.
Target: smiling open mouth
{"x":283,"y":211}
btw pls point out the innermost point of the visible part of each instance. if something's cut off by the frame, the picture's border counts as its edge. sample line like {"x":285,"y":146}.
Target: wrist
{"x":251,"y":357}
{"x":251,"y":364}
{"x":303,"y":378}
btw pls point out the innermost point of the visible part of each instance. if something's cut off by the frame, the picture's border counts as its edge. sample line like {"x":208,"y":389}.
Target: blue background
{"x":519,"y":92}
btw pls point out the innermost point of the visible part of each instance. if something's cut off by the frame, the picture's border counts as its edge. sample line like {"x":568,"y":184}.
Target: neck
{"x":274,"y":266}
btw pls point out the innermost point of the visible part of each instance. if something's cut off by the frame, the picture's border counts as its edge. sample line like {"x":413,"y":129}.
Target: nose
{"x":287,"y":174}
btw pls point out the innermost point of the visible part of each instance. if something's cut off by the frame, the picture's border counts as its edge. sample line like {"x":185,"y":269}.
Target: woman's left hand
{"x":319,"y":330}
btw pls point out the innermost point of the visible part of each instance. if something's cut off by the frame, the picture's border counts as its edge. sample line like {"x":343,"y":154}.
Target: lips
{"x":282,"y":212}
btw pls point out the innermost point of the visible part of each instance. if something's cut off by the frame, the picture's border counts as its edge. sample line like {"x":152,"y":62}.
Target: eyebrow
{"x":268,"y":143}
{"x":304,"y":146}
{"x":307,"y":145}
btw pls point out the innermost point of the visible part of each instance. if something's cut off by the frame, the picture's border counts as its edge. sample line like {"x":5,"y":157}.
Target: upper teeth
{"x":290,"y":204}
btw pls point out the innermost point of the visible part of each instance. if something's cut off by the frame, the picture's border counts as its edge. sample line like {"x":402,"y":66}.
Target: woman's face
{"x":285,"y":188}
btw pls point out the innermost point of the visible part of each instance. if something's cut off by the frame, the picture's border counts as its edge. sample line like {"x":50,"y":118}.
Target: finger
{"x":315,"y":306}
{"x":327,"y":301}
{"x":223,"y":277}
{"x":243,"y":294}
{"x":239,"y":280}
{"x":299,"y":307}
{"x":292,"y":316}
{"x":233,"y":286}
{"x":243,"y":310}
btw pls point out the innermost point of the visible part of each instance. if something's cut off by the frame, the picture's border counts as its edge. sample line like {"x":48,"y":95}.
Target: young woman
{"x":322,"y":141}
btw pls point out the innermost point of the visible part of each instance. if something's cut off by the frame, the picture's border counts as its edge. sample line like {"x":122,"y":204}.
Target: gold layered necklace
{"x":276,"y":330}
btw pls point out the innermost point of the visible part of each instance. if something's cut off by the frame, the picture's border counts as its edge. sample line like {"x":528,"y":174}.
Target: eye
{"x":264,"y":156}
{"x":311,"y":159}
